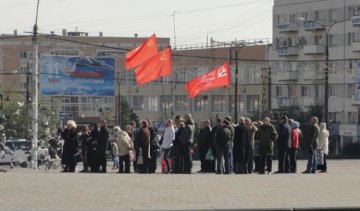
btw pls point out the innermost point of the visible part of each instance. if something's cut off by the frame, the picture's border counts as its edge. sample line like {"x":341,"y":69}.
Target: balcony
{"x":287,"y":102}
{"x":314,"y":49}
{"x":289,"y":76}
{"x":287,"y":27}
{"x":355,"y":20}
{"x":287,"y":51}
{"x":312,"y":26}
{"x":356,"y":47}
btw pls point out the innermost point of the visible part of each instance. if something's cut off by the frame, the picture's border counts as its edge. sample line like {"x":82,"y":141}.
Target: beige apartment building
{"x":297,"y":56}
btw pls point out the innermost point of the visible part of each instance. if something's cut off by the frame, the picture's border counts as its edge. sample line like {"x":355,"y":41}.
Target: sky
{"x":195,"y":20}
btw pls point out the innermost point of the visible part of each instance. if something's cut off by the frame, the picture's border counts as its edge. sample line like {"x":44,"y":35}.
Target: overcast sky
{"x":224,"y":20}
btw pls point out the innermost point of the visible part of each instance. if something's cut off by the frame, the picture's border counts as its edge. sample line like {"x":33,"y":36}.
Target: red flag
{"x":218,"y":77}
{"x":142,"y":53}
{"x":157,"y":66}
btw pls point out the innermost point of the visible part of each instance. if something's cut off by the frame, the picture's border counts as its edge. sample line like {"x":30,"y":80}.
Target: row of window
{"x":205,"y":103}
{"x":312,"y":91}
{"x":328,"y":16}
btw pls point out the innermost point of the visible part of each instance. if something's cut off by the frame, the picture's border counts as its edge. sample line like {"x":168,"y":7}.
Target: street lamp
{"x":327,"y":28}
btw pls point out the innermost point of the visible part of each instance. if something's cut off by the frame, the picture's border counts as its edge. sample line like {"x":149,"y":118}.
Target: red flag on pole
{"x":142,"y":53}
{"x":156,"y":67}
{"x":218,"y":77}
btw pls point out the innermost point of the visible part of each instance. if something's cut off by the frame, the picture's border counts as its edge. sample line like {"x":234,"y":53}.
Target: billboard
{"x":62,"y":76}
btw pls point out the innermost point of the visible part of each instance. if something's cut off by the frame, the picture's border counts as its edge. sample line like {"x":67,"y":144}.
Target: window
{"x":138,"y":103}
{"x":152,"y":103}
{"x":241,"y":106}
{"x":201,"y":103}
{"x":305,"y":15}
{"x":23,"y":54}
{"x":279,"y":91}
{"x":351,"y":90}
{"x":350,"y":36}
{"x":218,"y":103}
{"x":292,"y":18}
{"x":165,"y":103}
{"x":331,"y":40}
{"x":316,"y":15}
{"x":316,"y":91}
{"x":333,"y":116}
{"x":304,"y":91}
{"x":252,"y":103}
{"x":330,"y":15}
{"x":290,"y":91}
{"x":349,"y":12}
{"x":182,"y":103}
{"x":331,"y":91}
{"x":278,"y":19}
{"x":351,"y":117}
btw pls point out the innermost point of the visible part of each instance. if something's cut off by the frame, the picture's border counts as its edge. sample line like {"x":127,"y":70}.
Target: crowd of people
{"x":243,"y":148}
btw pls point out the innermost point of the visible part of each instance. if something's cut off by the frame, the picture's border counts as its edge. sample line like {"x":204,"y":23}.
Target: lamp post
{"x":236,"y":47}
{"x":35,"y":77}
{"x":326,"y":28}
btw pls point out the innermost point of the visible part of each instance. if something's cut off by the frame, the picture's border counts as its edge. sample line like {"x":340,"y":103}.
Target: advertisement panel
{"x":62,"y":76}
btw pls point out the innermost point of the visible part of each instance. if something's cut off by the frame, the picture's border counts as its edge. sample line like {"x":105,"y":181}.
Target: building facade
{"x":297,"y":56}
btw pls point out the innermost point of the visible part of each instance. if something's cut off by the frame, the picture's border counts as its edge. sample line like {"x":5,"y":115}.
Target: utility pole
{"x":35,"y":94}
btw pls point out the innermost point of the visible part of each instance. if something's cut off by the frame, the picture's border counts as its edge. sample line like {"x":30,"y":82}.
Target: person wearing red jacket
{"x":295,"y":143}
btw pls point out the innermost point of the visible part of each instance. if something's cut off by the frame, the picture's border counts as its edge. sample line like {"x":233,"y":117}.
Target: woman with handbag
{"x":71,"y":147}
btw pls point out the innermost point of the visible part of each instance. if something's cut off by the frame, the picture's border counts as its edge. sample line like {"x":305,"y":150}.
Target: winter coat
{"x":204,"y":138}
{"x":103,"y":139}
{"x":223,"y":137}
{"x":142,"y":141}
{"x":313,"y":135}
{"x":267,"y":136}
{"x":124,"y":142}
{"x":168,"y":138}
{"x":295,"y":135}
{"x":232,"y":129}
{"x":284,"y":138}
{"x":241,"y":141}
{"x":253,"y":130}
{"x":187,"y":136}
{"x":71,"y":146}
{"x":323,"y":139}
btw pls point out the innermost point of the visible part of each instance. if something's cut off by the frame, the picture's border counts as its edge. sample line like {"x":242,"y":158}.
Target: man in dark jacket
{"x":267,"y":136}
{"x":283,"y":145}
{"x":204,"y":143}
{"x":223,"y":137}
{"x":313,"y":136}
{"x":103,"y":144}
{"x":154,"y":147}
{"x":186,"y":139}
{"x":241,"y":143}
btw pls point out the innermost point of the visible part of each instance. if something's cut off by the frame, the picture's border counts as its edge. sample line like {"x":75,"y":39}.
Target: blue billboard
{"x":61,"y":76}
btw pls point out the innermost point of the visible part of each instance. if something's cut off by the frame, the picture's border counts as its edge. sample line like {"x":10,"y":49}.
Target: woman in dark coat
{"x":71,"y":147}
{"x":142,"y":142}
{"x":92,"y":148}
{"x":178,"y":160}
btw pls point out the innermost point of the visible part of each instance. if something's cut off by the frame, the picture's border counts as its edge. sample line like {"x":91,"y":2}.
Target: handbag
{"x":209,"y":155}
{"x":132,"y":155}
{"x":77,"y":157}
{"x":319,"y":156}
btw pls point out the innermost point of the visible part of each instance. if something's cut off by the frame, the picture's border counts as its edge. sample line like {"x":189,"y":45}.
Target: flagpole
{"x":174,"y":29}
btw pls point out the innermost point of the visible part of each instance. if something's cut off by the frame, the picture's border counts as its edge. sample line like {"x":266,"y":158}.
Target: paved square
{"x":29,"y":189}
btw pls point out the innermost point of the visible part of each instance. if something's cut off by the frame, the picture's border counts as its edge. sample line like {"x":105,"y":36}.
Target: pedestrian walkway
{"x":29,"y":189}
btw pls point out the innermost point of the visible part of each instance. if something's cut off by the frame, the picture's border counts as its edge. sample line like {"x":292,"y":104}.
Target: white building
{"x":297,"y":56}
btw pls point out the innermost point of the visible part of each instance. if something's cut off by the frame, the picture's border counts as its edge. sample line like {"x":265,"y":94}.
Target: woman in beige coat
{"x":125,"y":144}
{"x":323,"y":145}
